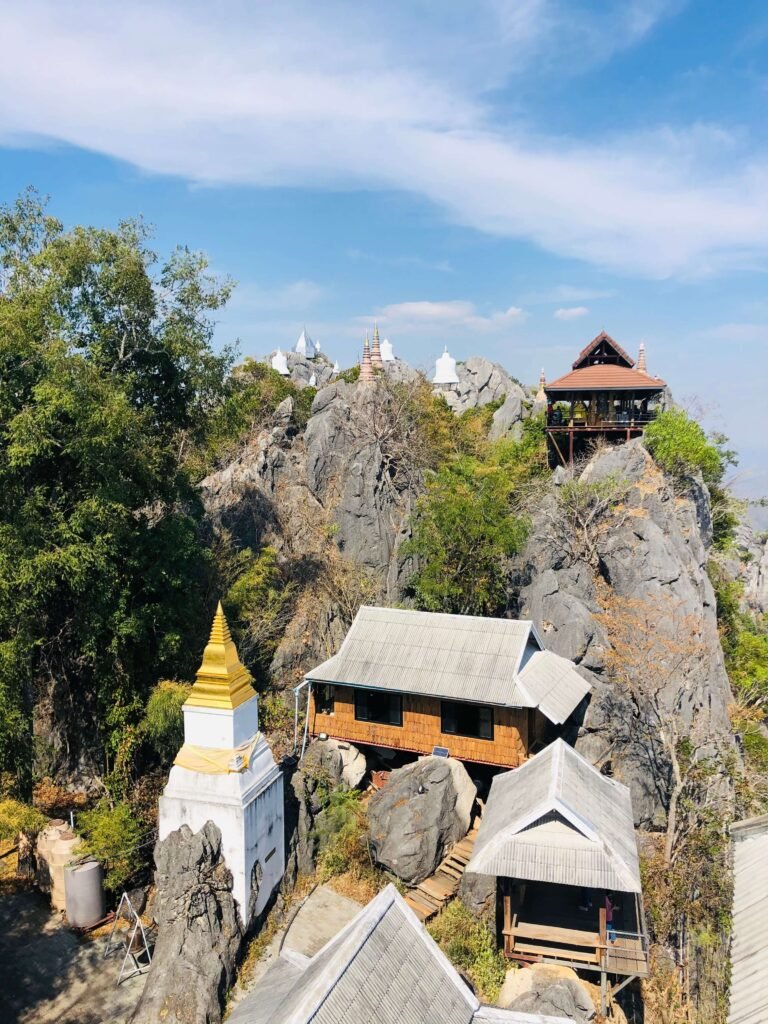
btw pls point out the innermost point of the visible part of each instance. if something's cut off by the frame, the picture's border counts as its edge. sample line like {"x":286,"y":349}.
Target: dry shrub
{"x":54,"y":800}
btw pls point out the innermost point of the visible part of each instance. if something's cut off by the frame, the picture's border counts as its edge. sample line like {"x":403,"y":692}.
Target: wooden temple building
{"x":605,"y":394}
{"x":479,"y":689}
{"x":559,"y":838}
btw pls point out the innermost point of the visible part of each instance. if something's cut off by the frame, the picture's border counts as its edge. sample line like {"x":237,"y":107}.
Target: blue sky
{"x":506,"y":178}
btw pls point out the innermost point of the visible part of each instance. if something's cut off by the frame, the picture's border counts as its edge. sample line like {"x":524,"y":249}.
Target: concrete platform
{"x":49,"y":974}
{"x":323,"y":915}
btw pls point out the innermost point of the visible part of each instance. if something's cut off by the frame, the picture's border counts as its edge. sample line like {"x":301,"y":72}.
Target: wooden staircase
{"x":431,"y":895}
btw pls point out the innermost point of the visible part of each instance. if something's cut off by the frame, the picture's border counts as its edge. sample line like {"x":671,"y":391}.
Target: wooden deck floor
{"x":559,"y":908}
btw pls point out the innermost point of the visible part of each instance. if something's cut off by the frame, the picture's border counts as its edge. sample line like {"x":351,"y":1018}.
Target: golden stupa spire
{"x":222,"y":681}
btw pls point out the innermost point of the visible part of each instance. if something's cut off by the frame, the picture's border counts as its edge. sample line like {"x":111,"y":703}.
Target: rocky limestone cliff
{"x":654,"y":548}
{"x":199,"y":931}
{"x":335,"y":498}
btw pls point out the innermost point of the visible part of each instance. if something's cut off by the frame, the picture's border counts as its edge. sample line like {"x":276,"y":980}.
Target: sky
{"x":502,"y":178}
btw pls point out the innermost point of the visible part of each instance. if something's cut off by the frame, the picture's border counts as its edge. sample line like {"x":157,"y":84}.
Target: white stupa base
{"x":223,"y":728}
{"x":247,"y":807}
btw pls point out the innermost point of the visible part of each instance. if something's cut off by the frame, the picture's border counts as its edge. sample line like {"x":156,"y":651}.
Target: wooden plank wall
{"x":420,"y":731}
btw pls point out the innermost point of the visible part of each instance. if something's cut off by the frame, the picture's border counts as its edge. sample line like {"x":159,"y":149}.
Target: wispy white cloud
{"x":454,"y":315}
{"x":294,"y":297}
{"x":570,"y":313}
{"x":334,"y":96}
{"x":568,"y":293}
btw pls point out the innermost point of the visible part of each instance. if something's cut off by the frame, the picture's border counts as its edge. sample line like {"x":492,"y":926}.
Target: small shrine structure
{"x":445,"y":370}
{"x":225,"y":773}
{"x":306,"y":347}
{"x":279,"y":362}
{"x":606,"y":394}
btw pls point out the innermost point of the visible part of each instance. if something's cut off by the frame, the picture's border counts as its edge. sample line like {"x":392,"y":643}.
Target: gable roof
{"x":586,"y":352}
{"x":457,"y":657}
{"x":605,"y":376}
{"x":557,"y":819}
{"x":749,"y":948}
{"x":383,"y":966}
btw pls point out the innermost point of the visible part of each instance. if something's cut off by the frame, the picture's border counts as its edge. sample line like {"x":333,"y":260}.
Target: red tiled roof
{"x":602,"y":336}
{"x":605,"y":377}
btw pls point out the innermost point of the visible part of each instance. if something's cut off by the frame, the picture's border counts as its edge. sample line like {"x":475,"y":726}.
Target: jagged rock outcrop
{"x":326,"y":765}
{"x":333,"y":504}
{"x":480,"y":383}
{"x":655,"y":547}
{"x":749,"y":565}
{"x":424,"y":808}
{"x":199,"y":931}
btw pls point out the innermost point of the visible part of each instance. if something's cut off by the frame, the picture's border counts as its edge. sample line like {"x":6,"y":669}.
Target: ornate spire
{"x":376,"y":360}
{"x":642,"y":365}
{"x":222,"y":680}
{"x":366,"y":366}
{"x":541,"y":394}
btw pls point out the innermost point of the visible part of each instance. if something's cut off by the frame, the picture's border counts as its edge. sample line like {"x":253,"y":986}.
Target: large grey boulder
{"x":656,"y":549}
{"x":478,"y":894}
{"x":199,"y":931}
{"x":326,"y":765}
{"x":481,"y":382}
{"x":424,"y":808}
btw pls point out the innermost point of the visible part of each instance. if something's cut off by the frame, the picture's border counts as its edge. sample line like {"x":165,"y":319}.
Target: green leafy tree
{"x":471,"y":519}
{"x":107,"y":379}
{"x":681,"y":447}
{"x":162,"y":724}
{"x":463,"y":533}
{"x":113,"y":835}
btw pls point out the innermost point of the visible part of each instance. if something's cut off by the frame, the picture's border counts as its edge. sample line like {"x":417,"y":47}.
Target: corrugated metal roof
{"x":605,"y":376}
{"x":553,"y":684}
{"x":749,"y":946}
{"x":557,"y":819}
{"x":459,"y":657}
{"x":382,"y":968}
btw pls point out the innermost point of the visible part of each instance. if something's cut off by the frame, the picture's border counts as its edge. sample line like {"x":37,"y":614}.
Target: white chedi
{"x":387,"y":355}
{"x":336,"y":366}
{"x":445,"y":370}
{"x":306,"y":347}
{"x":313,"y":381}
{"x":279,"y":362}
{"x":225,"y":772}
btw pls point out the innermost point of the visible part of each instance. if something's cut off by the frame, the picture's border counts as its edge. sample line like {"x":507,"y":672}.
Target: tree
{"x":654,"y":646}
{"x":107,"y":378}
{"x":681,"y":447}
{"x":463,"y":535}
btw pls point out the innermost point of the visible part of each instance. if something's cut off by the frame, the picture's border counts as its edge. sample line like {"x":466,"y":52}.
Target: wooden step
{"x":551,"y":951}
{"x":436,"y":887}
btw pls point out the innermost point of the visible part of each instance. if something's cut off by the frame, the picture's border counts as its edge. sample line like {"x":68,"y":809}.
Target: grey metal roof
{"x":749,"y":945}
{"x":382,"y":968}
{"x":459,"y":657}
{"x":553,"y":684}
{"x":557,"y":819}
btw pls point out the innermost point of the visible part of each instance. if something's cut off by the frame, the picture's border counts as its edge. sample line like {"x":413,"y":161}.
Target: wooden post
{"x":509,"y":940}
{"x":570,"y":445}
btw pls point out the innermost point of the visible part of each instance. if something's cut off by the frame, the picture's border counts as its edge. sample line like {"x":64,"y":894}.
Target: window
{"x":324,"y":701}
{"x":459,"y":719}
{"x":379,"y":707}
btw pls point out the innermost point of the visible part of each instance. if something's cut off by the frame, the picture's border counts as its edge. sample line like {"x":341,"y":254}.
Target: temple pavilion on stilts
{"x":606,"y":394}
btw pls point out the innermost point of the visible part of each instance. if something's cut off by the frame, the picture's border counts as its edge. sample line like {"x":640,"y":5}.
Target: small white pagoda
{"x":225,"y":773}
{"x":306,"y":347}
{"x":279,"y":362}
{"x":445,"y":370}
{"x":387,"y":355}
